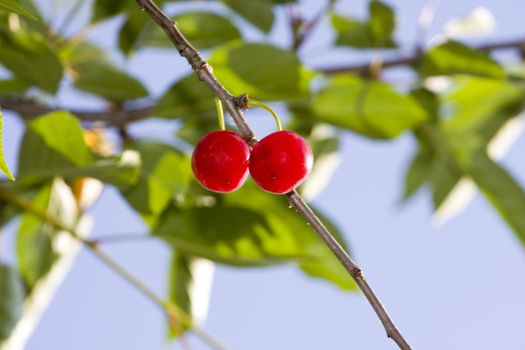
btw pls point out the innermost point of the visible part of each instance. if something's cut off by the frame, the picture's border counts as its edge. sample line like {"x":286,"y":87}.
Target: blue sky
{"x":458,"y":286}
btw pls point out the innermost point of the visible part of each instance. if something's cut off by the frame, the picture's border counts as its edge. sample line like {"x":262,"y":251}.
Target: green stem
{"x":255,"y":103}
{"x":220,"y":113}
{"x":173,"y":312}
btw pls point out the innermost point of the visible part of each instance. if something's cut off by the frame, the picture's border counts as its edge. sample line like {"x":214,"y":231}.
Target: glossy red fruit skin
{"x":280,"y":162}
{"x":220,"y":161}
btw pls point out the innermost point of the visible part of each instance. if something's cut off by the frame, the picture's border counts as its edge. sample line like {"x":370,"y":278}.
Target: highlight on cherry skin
{"x":220,"y":161}
{"x":280,"y":162}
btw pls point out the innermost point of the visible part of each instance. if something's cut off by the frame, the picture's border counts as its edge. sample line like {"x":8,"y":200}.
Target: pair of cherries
{"x":278,"y":163}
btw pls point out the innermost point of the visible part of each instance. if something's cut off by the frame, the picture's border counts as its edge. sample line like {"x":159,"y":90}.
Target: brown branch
{"x":364,"y":68}
{"x":31,"y":109}
{"x":204,"y":71}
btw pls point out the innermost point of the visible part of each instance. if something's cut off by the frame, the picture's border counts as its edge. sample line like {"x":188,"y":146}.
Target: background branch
{"x":175,"y":314}
{"x":364,"y":68}
{"x":204,"y":71}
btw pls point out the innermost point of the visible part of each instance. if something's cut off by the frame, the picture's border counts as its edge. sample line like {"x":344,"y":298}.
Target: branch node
{"x":241,"y":101}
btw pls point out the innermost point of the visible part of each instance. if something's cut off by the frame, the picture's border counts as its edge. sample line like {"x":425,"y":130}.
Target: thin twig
{"x":73,"y":11}
{"x":31,"y":109}
{"x":174,"y":313}
{"x":204,"y":71}
{"x":364,"y":68}
{"x":307,"y":27}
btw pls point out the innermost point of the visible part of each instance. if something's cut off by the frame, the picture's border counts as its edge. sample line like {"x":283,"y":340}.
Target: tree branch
{"x":364,"y":68}
{"x":174,"y":313}
{"x":204,"y":72}
{"x":31,"y":109}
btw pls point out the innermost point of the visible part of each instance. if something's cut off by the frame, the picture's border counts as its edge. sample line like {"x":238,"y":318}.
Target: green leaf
{"x":34,"y":245}
{"x":370,"y":108}
{"x":228,"y":234}
{"x":501,"y":101}
{"x":202,"y":29}
{"x":262,"y":71}
{"x":257,"y":12}
{"x":51,"y":143}
{"x":16,"y":7}
{"x":453,"y":57}
{"x":498,"y":186}
{"x":382,"y":23}
{"x":135,"y":32}
{"x":3,"y":164}
{"x":188,"y":97}
{"x":35,"y":238}
{"x":179,"y":288}
{"x":352,"y":32}
{"x":319,"y":261}
{"x":120,"y":171}
{"x":12,"y":295}
{"x":29,"y":56}
{"x":14,"y":86}
{"x":103,"y":9}
{"x":165,"y":174}
{"x":418,"y":172}
{"x":107,"y":81}
{"x":251,"y":228}
{"x":376,"y":32}
{"x":190,"y":285}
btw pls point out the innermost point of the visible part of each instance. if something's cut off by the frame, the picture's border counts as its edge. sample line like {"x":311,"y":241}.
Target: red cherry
{"x":220,"y":161}
{"x":280,"y":162}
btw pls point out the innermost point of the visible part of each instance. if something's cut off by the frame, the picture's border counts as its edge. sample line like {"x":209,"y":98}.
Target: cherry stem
{"x":220,"y":113}
{"x":255,"y":103}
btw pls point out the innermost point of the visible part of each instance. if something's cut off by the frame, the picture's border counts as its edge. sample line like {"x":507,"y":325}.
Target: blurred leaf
{"x":121,"y":171}
{"x":471,"y":122}
{"x":418,"y":173}
{"x":382,"y":23}
{"x":498,"y":186}
{"x":376,"y":32}
{"x":3,"y":164}
{"x":192,"y":129}
{"x":34,"y":245}
{"x":11,"y":298}
{"x":501,"y":101}
{"x":191,"y":280}
{"x":260,"y":70}
{"x":107,"y":81}
{"x":429,"y":101}
{"x":370,"y":108}
{"x":134,"y":32}
{"x":16,"y":7}
{"x":165,"y":173}
{"x":257,"y":12}
{"x":180,"y":284}
{"x":453,"y":57}
{"x":202,"y":29}
{"x":352,"y":32}
{"x":29,"y":56}
{"x":187,"y":97}
{"x":324,"y":142}
{"x":51,"y":143}
{"x":103,"y":9}
{"x":13,"y":86}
